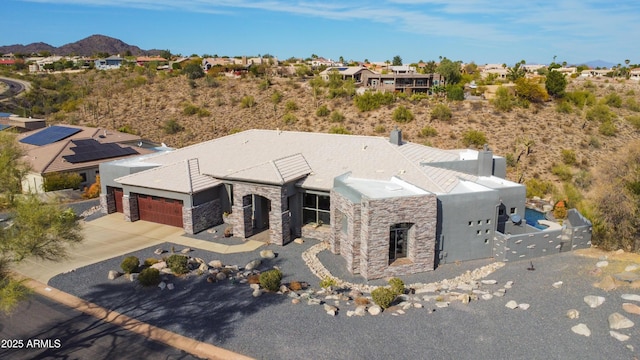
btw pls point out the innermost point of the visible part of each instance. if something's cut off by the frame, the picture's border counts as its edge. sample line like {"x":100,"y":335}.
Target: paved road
{"x":15,"y":87}
{"x":73,"y":335}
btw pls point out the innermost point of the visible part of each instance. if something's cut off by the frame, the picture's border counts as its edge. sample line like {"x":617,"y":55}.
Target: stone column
{"x":130,"y":208}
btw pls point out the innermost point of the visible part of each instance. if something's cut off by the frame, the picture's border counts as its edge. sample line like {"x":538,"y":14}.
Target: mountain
{"x":599,"y":64}
{"x":86,"y":47}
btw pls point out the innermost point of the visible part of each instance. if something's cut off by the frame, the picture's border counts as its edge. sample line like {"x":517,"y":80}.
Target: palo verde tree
{"x":37,"y":229}
{"x":450,"y":70}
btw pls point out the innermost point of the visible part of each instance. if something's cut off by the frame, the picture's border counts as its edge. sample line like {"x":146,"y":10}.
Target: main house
{"x":387,"y":206}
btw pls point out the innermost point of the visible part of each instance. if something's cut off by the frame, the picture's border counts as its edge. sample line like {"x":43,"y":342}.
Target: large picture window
{"x":398,"y":239}
{"x":316,"y":209}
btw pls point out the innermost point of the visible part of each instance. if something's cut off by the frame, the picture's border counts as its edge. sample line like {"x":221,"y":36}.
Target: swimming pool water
{"x":532,"y":216}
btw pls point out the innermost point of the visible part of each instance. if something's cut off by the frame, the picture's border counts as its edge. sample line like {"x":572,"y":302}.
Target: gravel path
{"x":272,"y":327}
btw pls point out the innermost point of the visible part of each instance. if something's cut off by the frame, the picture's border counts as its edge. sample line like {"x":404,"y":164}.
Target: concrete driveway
{"x":111,"y":236}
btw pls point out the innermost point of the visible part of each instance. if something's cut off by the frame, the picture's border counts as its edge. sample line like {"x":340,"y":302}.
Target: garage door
{"x":160,"y":210}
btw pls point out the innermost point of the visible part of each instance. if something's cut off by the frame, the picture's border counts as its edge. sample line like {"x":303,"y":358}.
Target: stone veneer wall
{"x":130,"y":208}
{"x":378,"y":215}
{"x":321,"y":233}
{"x":108,"y":203}
{"x":346,"y":244}
{"x":201,"y":217}
{"x":279,"y":231}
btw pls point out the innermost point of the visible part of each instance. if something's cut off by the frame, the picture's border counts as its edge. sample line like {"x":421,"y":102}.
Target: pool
{"x":532,"y":216}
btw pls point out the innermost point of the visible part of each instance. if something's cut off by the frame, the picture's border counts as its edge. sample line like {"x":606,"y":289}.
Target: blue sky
{"x":483,"y":31}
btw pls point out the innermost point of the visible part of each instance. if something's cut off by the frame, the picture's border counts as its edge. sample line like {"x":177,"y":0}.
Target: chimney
{"x":396,"y":136}
{"x":485,"y":161}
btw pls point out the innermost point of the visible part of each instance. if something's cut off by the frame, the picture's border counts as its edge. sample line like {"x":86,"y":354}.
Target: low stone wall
{"x":202,"y":217}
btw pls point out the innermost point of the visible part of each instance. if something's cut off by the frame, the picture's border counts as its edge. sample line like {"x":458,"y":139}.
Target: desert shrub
{"x":511,"y":160}
{"x":327,"y":282}
{"x":402,"y":114}
{"x":474,"y":137}
{"x":322,"y":111}
{"x":270,"y":279}
{"x":441,"y":112}
{"x":383,"y":297}
{"x":178,"y":264}
{"x":373,"y":100}
{"x":581,"y":98}
{"x":289,"y":119}
{"x":428,"y":131}
{"x":127,"y":129}
{"x":339,"y":130}
{"x":594,"y":142}
{"x":583,"y":179}
{"x":290,"y":105}
{"x":564,"y":107}
{"x":247,"y":102}
{"x":455,"y":92}
{"x":539,"y":188}
{"x":150,"y":261}
{"x":264,"y":85}
{"x":634,"y":120}
{"x":531,"y":90}
{"x":130,"y":264}
{"x":600,"y":113}
{"x":189,"y":109}
{"x":608,"y":128}
{"x":172,"y":127}
{"x":379,"y":129}
{"x":92,"y":191}
{"x":560,"y":210}
{"x":149,"y":277}
{"x":613,"y":100}
{"x":562,"y":171}
{"x":504,"y":100}
{"x":60,"y":181}
{"x":632,"y":105}
{"x":568,"y":156}
{"x":397,"y":285}
{"x":276,"y":97}
{"x":418,"y":96}
{"x":336,"y":116}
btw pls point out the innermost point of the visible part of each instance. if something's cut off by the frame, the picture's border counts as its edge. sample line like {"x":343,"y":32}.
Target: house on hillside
{"x":634,"y":74}
{"x":74,"y":149}
{"x":403,"y":82}
{"x":20,"y":124}
{"x":346,"y":72}
{"x":110,"y":63}
{"x":387,"y":206}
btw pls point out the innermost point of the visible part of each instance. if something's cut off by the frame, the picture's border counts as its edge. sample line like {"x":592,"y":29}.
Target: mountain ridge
{"x":88,"y":46}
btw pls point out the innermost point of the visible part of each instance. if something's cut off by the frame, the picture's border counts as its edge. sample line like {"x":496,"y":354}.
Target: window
{"x":83,"y":176}
{"x":488,"y":221}
{"x":513,"y":211}
{"x":470,"y":223}
{"x":398,"y":237}
{"x":316,"y":209}
{"x":478,"y":232}
{"x":479,"y":222}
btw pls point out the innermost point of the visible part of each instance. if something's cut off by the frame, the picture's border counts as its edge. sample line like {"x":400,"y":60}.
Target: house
{"x":387,"y":206}
{"x":110,"y":63}
{"x":595,"y":72}
{"x":20,"y":124}
{"x":347,"y":72}
{"x":318,"y":62}
{"x":74,"y":149}
{"x":405,"y":82}
{"x":634,"y":74}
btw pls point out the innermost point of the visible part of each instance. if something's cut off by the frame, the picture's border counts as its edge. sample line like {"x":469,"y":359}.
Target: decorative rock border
{"x":311,"y":260}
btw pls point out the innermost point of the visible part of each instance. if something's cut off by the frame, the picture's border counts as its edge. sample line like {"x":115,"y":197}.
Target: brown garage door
{"x":160,"y":210}
{"x":117,"y":193}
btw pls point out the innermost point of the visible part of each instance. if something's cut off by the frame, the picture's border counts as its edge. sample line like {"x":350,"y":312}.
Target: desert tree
{"x":555,"y":83}
{"x":397,"y":61}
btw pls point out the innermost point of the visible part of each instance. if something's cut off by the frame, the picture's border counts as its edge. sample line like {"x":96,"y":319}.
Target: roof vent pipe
{"x":396,"y":136}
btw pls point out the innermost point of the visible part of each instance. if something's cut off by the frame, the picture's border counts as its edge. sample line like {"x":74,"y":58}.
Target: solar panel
{"x":3,"y":114}
{"x":50,"y":135}
{"x":90,"y":150}
{"x":2,"y":127}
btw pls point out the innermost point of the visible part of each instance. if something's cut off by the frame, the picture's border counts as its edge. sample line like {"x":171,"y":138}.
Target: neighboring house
{"x":634,"y":74}
{"x":348,"y":72}
{"x":387,"y":206}
{"x":110,"y":63}
{"x":325,"y":62}
{"x":595,"y":72}
{"x":19,"y":123}
{"x":74,"y":149}
{"x":411,"y":82}
{"x":144,"y":60}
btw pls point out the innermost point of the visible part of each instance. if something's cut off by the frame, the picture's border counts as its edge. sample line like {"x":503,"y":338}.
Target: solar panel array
{"x":50,"y":135}
{"x":90,"y":150}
